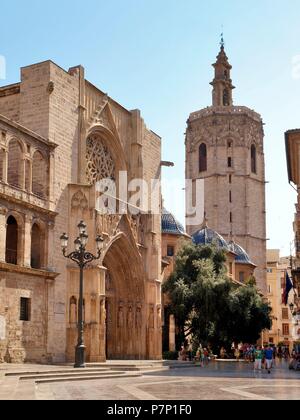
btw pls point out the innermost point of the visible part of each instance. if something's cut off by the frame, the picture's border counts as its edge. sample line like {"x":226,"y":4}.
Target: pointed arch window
{"x":226,"y":98}
{"x":15,"y":164}
{"x":253,"y":159}
{"x":100,"y":162}
{"x":39,"y":175}
{"x":203,"y":158}
{"x":12,"y":236}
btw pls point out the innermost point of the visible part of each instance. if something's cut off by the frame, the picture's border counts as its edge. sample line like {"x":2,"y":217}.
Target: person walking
{"x":258,"y":355}
{"x":269,"y":358}
{"x":206,"y":356}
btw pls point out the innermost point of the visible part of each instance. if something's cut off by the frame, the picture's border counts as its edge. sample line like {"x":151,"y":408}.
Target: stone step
{"x":125,"y":366}
{"x":136,"y":369}
{"x":80,"y":374}
{"x":54,"y":371}
{"x":87,"y":378}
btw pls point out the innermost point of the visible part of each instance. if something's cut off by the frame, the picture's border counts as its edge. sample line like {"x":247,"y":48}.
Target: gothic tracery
{"x":100,"y":163}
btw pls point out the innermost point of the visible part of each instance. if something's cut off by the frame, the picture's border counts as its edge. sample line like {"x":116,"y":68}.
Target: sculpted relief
{"x":216,"y":131}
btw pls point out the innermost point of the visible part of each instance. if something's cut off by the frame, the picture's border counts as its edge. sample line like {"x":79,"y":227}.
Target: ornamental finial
{"x":222,"y":43}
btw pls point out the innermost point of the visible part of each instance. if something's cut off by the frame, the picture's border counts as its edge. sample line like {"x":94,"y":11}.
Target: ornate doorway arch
{"x":125,"y":302}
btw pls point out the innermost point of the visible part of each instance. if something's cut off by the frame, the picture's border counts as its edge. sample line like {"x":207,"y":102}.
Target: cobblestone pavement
{"x":219,"y":381}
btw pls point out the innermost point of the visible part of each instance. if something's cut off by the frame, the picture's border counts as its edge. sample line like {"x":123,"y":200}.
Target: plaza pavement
{"x":218,"y":381}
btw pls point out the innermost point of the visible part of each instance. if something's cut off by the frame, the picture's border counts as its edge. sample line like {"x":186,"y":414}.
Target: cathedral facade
{"x":225,"y":148}
{"x":59,"y":136}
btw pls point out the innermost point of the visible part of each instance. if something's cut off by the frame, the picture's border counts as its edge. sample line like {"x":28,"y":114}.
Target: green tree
{"x":206,"y":303}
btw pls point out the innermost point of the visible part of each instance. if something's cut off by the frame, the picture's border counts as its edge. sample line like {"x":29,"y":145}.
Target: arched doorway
{"x":125,"y":301}
{"x":12,"y":237}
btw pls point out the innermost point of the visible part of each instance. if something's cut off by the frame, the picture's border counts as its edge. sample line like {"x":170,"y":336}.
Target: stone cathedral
{"x":59,"y":135}
{"x":225,"y":148}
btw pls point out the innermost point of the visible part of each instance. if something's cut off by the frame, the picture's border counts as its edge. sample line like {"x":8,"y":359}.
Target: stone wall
{"x":10,"y":102}
{"x":22,"y":341}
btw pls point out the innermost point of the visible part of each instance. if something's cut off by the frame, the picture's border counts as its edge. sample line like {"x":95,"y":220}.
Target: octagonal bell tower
{"x":225,"y":148}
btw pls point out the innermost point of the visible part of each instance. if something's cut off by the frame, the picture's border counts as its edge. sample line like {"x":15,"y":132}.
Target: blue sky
{"x":157,"y":56}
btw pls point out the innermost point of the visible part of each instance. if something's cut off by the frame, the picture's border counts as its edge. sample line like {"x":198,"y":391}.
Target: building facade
{"x":225,"y":148}
{"x":292,"y":141}
{"x":284,"y":329}
{"x":59,"y":136}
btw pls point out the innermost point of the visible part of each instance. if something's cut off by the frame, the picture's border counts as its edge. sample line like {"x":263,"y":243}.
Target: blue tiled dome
{"x":170,"y":225}
{"x":208,"y":236}
{"x":241,"y":255}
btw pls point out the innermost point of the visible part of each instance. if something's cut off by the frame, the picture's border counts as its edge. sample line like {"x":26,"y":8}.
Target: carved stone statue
{"x":108,"y":282}
{"x":73,"y":310}
{"x":121,"y":316}
{"x":102,"y":312}
{"x":130,"y":317}
{"x":151,"y":317}
{"x":159,"y":318}
{"x":138,"y":319}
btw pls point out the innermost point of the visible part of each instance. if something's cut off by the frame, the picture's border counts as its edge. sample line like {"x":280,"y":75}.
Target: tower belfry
{"x":225,"y":149}
{"x":222,"y":83}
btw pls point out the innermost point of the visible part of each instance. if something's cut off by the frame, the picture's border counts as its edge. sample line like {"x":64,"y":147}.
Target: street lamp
{"x":81,"y":257}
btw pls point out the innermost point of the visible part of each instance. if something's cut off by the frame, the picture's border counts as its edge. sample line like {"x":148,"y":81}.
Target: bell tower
{"x":222,"y":83}
{"x":225,"y":148}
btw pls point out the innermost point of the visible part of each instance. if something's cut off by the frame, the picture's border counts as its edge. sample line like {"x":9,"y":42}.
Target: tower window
{"x":231,"y":218}
{"x":226,"y":98}
{"x":230,"y":197}
{"x":203,"y":158}
{"x":253,"y":159}
{"x":25,"y":309}
{"x":229,"y":162}
{"x":229,"y":144}
{"x":170,"y":251}
{"x":230,"y":179}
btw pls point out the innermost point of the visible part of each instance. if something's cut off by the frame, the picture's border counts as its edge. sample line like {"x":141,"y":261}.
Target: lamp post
{"x":81,"y":257}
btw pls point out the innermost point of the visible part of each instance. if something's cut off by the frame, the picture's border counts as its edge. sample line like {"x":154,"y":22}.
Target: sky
{"x":156,"y":56}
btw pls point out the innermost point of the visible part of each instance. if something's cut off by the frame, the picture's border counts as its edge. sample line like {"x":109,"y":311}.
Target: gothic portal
{"x":59,"y":136}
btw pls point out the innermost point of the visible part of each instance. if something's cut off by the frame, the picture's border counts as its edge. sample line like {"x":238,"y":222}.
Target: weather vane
{"x":222,"y":43}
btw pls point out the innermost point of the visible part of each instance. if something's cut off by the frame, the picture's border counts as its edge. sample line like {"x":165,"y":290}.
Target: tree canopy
{"x":206,"y":303}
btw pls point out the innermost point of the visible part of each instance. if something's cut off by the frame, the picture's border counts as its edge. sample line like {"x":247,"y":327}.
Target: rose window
{"x":100,"y":164}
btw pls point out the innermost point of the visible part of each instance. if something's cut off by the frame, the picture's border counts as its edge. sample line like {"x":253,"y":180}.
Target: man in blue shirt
{"x":269,"y":358}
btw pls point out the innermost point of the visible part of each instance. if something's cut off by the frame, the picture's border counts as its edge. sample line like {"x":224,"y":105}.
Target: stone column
{"x":51,"y":181}
{"x":49,"y":247}
{"x":50,"y":336}
{"x":151,"y":333}
{"x":96,"y":286}
{"x":27,"y":241}
{"x":172,"y":333}
{"x":3,"y":213}
{"x":23,"y":174}
{"x":29,"y":175}
{"x":5,"y":165}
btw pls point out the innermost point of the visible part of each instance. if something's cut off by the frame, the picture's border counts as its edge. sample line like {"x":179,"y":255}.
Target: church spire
{"x":222,"y":83}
